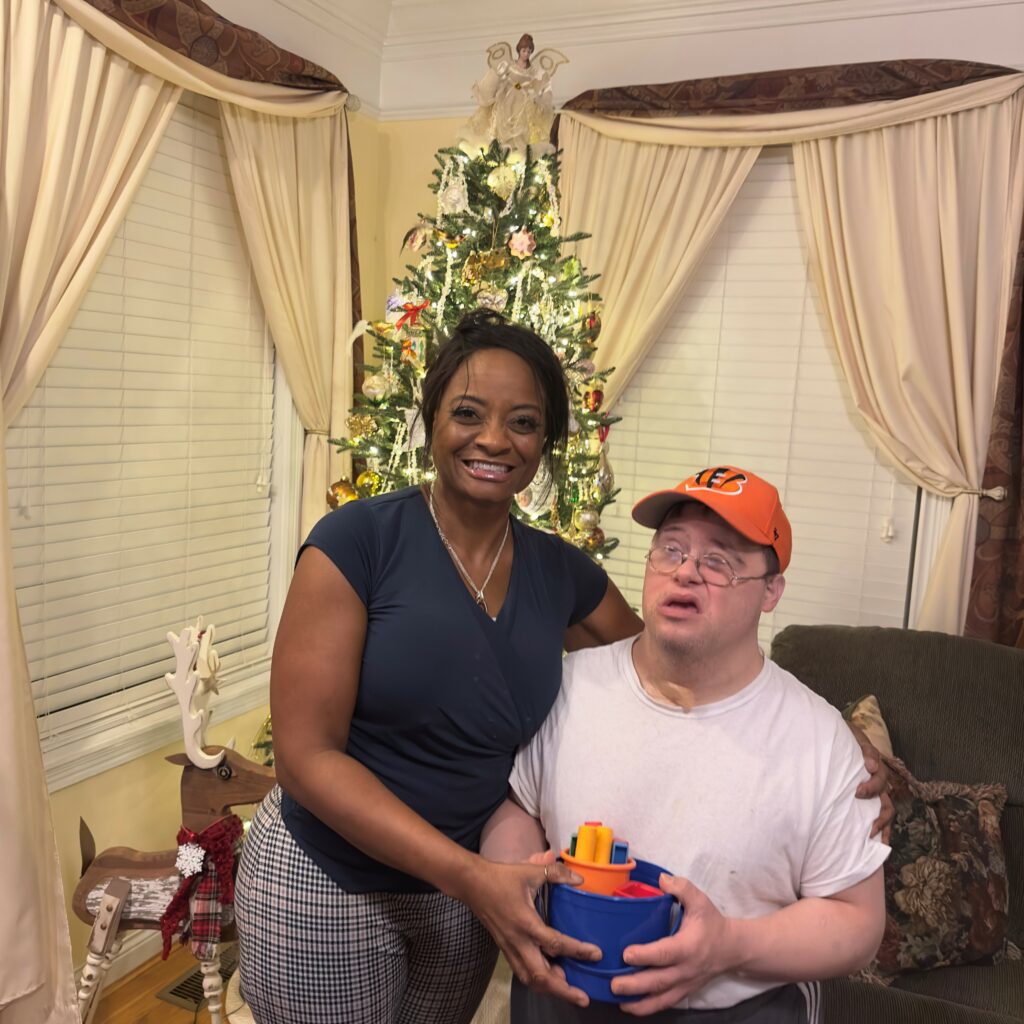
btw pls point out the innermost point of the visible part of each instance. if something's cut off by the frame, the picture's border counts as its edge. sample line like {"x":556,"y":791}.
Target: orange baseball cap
{"x":750,"y":505}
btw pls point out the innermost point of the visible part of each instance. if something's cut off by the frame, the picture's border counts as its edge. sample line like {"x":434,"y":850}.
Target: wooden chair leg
{"x":89,"y":985}
{"x":89,"y":1012}
{"x":104,"y":945}
{"x":213,"y":986}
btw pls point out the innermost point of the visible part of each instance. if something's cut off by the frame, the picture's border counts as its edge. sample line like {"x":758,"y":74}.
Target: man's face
{"x":686,"y":616}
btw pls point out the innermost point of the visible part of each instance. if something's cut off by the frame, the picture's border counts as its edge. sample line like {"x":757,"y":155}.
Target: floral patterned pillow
{"x":946,"y":893}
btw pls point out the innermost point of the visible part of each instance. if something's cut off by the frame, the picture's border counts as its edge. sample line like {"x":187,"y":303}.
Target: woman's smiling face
{"x":489,"y":433}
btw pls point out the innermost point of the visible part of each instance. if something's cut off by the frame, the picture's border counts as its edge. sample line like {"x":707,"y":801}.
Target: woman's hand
{"x":503,"y":897}
{"x":877,"y":785}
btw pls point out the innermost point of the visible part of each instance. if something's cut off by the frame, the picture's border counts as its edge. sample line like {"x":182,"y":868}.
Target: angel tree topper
{"x":516,"y":107}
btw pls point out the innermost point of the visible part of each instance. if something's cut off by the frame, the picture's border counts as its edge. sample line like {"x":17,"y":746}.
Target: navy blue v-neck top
{"x":446,"y":694}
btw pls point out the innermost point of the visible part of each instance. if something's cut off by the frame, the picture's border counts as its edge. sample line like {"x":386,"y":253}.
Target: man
{"x":717,"y":764}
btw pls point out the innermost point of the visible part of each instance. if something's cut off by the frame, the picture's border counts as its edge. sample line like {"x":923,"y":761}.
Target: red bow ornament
{"x":411,"y":314}
{"x":206,"y":861}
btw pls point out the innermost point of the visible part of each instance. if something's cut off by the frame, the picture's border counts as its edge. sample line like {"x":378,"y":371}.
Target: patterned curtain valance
{"x":771,"y":92}
{"x":194,"y":30}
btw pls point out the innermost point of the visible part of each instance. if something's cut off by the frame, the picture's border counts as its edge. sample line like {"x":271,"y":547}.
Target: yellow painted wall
{"x":136,"y":804}
{"x":392,"y":164}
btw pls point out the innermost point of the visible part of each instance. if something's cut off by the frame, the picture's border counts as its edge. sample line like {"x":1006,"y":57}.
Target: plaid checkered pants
{"x":310,"y":953}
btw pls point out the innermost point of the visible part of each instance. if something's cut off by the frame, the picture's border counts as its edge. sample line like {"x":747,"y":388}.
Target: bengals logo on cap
{"x":721,"y":480}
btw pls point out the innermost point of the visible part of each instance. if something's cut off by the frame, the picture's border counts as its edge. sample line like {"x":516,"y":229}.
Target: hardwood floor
{"x":132,"y":1000}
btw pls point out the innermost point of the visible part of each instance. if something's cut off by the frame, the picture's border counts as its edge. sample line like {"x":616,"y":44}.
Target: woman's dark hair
{"x":484,"y":329}
{"x":525,"y":40}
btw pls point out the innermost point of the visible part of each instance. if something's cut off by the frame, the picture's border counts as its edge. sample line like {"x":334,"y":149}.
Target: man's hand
{"x":503,"y":897}
{"x":877,"y":785}
{"x":815,"y":937}
{"x":682,"y":963}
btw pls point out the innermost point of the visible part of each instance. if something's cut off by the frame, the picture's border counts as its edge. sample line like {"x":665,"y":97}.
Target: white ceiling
{"x":419,"y":58}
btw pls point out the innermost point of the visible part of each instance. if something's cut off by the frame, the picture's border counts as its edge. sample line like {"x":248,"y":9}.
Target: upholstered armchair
{"x":954,"y":708}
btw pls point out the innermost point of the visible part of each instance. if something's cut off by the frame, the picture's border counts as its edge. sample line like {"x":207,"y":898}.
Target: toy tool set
{"x":619,"y":904}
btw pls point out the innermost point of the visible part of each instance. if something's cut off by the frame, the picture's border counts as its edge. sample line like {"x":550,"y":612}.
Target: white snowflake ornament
{"x":454,"y":199}
{"x":190,"y":859}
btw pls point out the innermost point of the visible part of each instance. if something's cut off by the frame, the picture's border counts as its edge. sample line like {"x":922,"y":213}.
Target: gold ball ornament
{"x":368,"y":481}
{"x":595,"y":539}
{"x":341,"y":493}
{"x":585,"y":519}
{"x":375,"y":387}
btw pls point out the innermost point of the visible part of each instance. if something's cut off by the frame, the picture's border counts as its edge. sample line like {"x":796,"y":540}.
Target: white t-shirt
{"x":750,"y":798}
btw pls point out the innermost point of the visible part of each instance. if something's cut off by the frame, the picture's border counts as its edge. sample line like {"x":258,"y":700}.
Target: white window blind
{"x":139,"y":473}
{"x":746,"y":374}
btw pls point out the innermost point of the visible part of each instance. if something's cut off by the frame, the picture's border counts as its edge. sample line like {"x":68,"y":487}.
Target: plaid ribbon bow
{"x":207,"y":891}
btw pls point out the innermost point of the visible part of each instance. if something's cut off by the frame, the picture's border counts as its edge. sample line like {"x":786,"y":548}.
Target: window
{"x":745,"y":373}
{"x":142,"y":474}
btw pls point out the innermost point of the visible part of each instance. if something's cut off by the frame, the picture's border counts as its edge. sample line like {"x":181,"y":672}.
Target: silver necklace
{"x":478,"y":592}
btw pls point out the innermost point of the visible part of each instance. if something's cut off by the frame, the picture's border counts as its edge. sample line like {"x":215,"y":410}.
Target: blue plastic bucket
{"x":613,"y":923}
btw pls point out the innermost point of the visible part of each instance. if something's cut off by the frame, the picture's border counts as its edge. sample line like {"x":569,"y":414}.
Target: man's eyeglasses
{"x":712,"y":569}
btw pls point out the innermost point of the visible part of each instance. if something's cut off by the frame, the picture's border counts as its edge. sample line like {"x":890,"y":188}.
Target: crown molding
{"x":331,"y":17}
{"x":638,"y":22}
{"x":427,"y":111}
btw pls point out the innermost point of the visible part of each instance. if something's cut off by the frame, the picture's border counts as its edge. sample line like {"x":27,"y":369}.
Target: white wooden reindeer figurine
{"x":124,"y":889}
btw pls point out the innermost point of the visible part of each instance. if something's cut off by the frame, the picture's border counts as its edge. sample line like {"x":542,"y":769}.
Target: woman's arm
{"x":611,"y":620}
{"x":313,"y":688}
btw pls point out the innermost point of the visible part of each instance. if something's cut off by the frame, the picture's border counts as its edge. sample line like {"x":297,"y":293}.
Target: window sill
{"x":105,"y":739}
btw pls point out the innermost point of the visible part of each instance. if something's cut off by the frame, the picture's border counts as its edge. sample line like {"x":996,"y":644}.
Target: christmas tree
{"x":494,"y":240}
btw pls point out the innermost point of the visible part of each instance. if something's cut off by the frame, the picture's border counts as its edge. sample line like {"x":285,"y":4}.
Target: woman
{"x":419,"y":646}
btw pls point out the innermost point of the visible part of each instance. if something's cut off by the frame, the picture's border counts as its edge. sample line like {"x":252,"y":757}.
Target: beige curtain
{"x":651,"y":211}
{"x":913,"y":211}
{"x":913,"y":233}
{"x":288,"y":161}
{"x":289,"y":179}
{"x":79,"y":127}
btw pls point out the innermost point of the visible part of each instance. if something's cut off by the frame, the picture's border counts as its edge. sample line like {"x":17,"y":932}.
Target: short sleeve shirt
{"x":446,"y":694}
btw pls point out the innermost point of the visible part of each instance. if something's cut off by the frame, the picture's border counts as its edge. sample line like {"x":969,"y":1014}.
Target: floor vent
{"x":187,"y":991}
